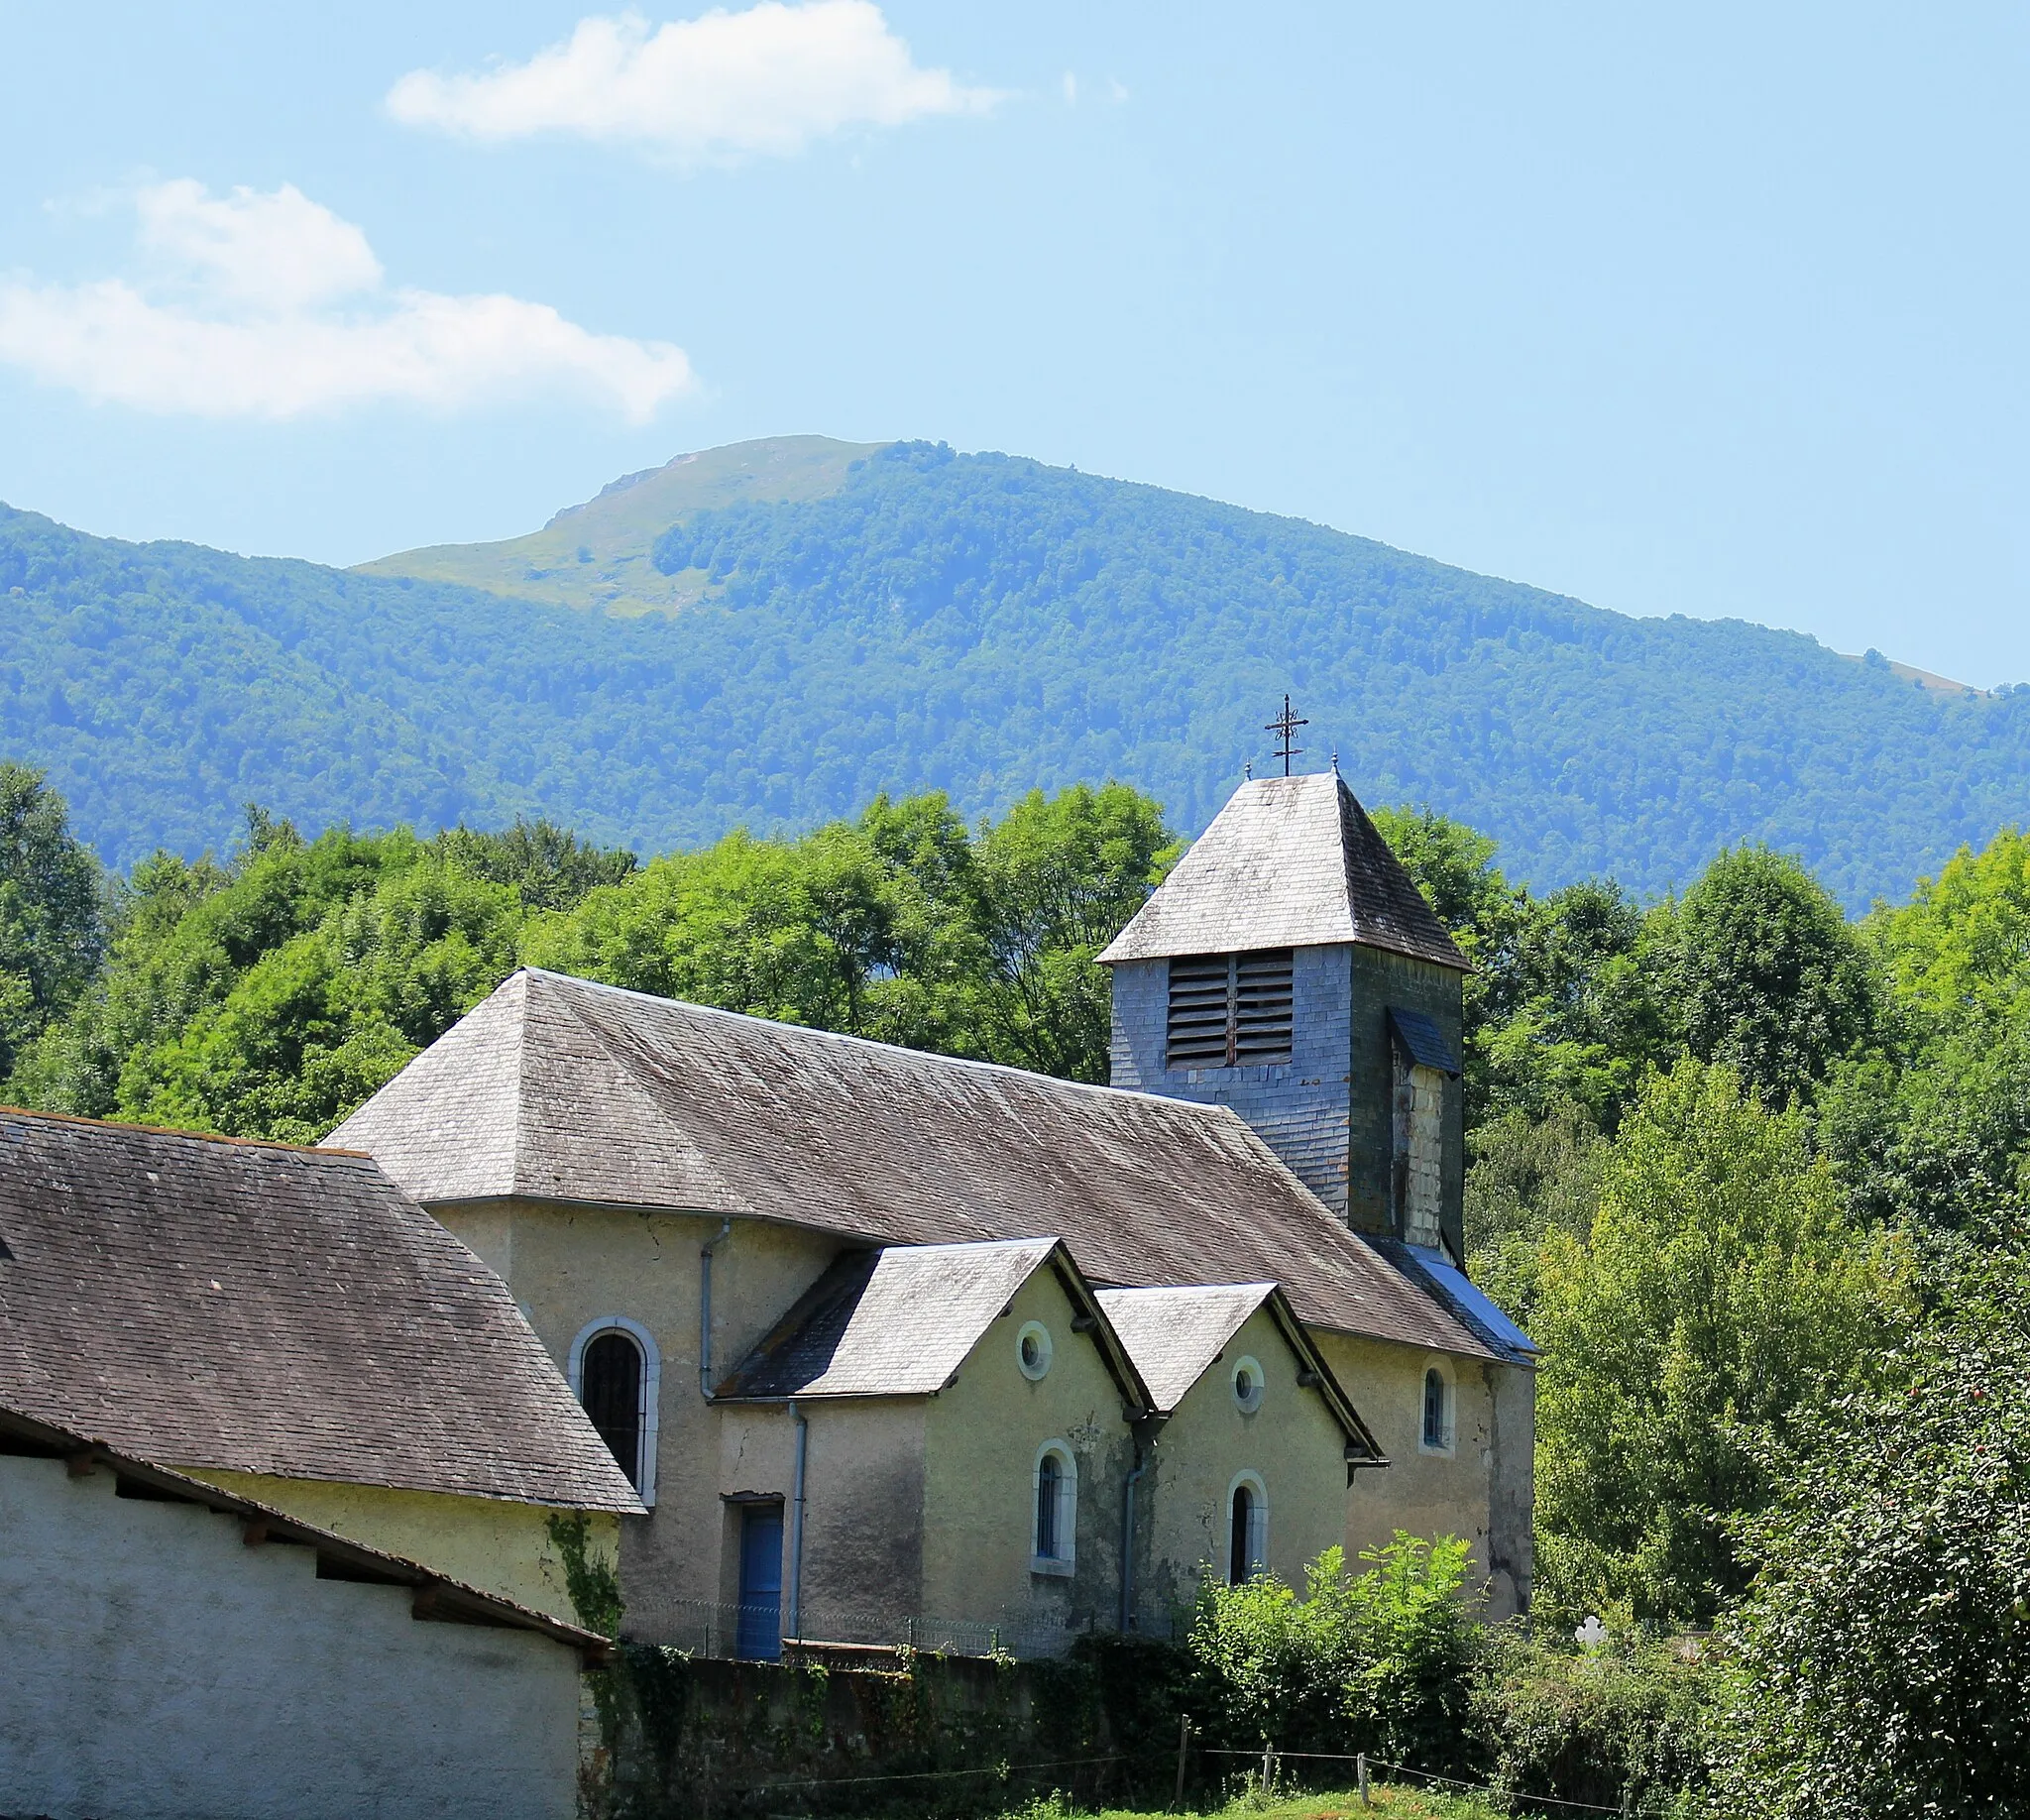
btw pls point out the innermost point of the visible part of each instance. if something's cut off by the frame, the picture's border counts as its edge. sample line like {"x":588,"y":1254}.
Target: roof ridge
{"x":520,"y":1100}
{"x":971,"y":1063}
{"x":1356,"y":824}
{"x":178,"y":1131}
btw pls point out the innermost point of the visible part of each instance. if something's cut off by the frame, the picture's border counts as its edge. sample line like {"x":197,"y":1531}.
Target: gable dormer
{"x":1290,"y":970}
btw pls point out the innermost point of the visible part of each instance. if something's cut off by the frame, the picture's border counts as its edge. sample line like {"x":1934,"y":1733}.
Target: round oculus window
{"x":1248,"y":1383}
{"x":1033,"y":1349}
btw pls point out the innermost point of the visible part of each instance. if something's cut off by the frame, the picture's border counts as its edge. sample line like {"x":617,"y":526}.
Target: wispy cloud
{"x":265,"y":304}
{"x":727,"y":86}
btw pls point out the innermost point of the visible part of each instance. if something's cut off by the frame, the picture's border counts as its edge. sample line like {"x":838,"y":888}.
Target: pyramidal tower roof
{"x":1289,"y":862}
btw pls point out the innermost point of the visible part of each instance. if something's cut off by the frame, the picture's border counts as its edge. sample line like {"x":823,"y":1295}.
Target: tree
{"x":549,"y":866}
{"x":51,"y":911}
{"x":1768,"y":978}
{"x":1719,"y":1295}
{"x":1885,"y":1648}
{"x":1059,"y":878}
{"x":1933,"y":1125}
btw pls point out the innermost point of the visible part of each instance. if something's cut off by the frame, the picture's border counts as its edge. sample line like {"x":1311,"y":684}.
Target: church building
{"x":896,"y":1347}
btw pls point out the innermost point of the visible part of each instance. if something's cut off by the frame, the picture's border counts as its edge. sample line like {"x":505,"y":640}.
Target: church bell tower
{"x":1289,"y":968}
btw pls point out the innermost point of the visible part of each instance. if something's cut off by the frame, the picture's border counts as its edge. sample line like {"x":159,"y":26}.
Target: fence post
{"x":1184,"y":1739}
{"x":1268,"y":1766}
{"x":1360,"y":1768}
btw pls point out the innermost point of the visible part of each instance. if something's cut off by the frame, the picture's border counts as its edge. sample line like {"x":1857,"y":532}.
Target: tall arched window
{"x":1247,"y":1529}
{"x":1437,"y":1411}
{"x":612,"y":1397}
{"x":1438,"y":1415}
{"x":1054,"y":1529}
{"x":614,"y":1371}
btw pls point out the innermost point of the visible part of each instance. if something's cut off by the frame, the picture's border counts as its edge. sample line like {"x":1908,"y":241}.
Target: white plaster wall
{"x":155,"y":1668}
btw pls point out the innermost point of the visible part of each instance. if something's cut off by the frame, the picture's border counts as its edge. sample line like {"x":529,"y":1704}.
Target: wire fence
{"x":1270,"y":1757}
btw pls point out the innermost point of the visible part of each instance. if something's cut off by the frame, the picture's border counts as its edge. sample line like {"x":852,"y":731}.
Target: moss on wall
{"x":898,"y":1732}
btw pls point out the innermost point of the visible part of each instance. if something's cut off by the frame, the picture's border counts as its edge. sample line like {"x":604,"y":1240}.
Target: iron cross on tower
{"x":1286,"y":725}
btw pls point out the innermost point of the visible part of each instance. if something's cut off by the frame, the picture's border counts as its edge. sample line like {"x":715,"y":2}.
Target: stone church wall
{"x":1479,"y":1489}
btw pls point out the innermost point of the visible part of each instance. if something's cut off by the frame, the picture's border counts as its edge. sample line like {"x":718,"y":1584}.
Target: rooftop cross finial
{"x":1285,"y":724}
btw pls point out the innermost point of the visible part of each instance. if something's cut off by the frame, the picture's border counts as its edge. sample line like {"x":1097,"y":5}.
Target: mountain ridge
{"x":840,"y":619}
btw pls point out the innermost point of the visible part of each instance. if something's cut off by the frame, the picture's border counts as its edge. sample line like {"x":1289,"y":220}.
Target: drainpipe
{"x":796,"y":1524}
{"x":705,"y":1308}
{"x":1142,"y":1462}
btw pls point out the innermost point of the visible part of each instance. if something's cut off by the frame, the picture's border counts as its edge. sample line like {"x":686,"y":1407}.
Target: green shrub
{"x":1380,"y":1661}
{"x":1625,"y":1725}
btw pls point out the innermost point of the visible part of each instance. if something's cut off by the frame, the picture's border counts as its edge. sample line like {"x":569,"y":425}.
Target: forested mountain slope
{"x":902,"y":618}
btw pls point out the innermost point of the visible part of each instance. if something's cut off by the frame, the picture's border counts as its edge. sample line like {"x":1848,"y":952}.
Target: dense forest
{"x":1751,"y":1172}
{"x":975,"y":625}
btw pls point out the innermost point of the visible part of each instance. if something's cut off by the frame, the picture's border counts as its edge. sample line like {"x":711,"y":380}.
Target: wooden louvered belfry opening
{"x":1229,"y":1010}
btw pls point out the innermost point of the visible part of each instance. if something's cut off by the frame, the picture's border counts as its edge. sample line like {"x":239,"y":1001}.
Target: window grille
{"x":1230,"y":1011}
{"x":1054,"y":1539}
{"x":1048,"y":1477}
{"x":612,"y":1378}
{"x":1438,"y":1425}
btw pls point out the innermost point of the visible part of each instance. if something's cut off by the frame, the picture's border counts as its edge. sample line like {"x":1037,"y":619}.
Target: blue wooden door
{"x":758,"y":1631}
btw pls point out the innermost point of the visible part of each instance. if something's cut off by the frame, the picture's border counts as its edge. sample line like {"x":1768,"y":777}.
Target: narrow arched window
{"x":1247,"y":1528}
{"x":1437,"y":1411}
{"x":1054,"y":1529}
{"x":611,"y":1377}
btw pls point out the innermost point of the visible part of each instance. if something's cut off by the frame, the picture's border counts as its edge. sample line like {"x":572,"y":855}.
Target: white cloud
{"x":268,"y":305}
{"x":769,"y":79}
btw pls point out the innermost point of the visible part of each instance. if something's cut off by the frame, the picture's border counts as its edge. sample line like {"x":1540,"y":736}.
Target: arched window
{"x":614,"y":1371}
{"x":1053,"y":1511}
{"x":611,"y":1375}
{"x":1437,"y":1411}
{"x":1247,"y":1529}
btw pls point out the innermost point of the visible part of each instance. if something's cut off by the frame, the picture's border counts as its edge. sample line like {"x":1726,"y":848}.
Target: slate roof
{"x":1425,"y":1041}
{"x":436,"y":1598}
{"x":1175,"y":1335}
{"x":1447,"y":1280}
{"x":561,"y":1090}
{"x":1289,"y":862}
{"x":900,"y":1323}
{"x":254,"y":1308}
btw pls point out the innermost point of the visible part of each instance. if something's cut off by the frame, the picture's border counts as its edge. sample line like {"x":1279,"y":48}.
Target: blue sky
{"x":1716,"y":313}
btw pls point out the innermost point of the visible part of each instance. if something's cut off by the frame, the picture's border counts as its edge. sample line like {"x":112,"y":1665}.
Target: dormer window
{"x":1229,"y":1010}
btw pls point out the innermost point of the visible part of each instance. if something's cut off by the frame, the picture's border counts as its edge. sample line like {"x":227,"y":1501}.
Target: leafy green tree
{"x":1934,"y":1126}
{"x":51,"y":911}
{"x":1886,"y":1645}
{"x":1379,"y":1660}
{"x":1768,"y":976}
{"x":317,"y":1024}
{"x":549,"y":866}
{"x":1563,"y":1003}
{"x":1719,"y":1295}
{"x":1058,"y":876}
{"x":1528,"y":1177}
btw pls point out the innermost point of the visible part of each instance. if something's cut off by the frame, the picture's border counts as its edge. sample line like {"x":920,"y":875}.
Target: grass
{"x":1391,"y":1801}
